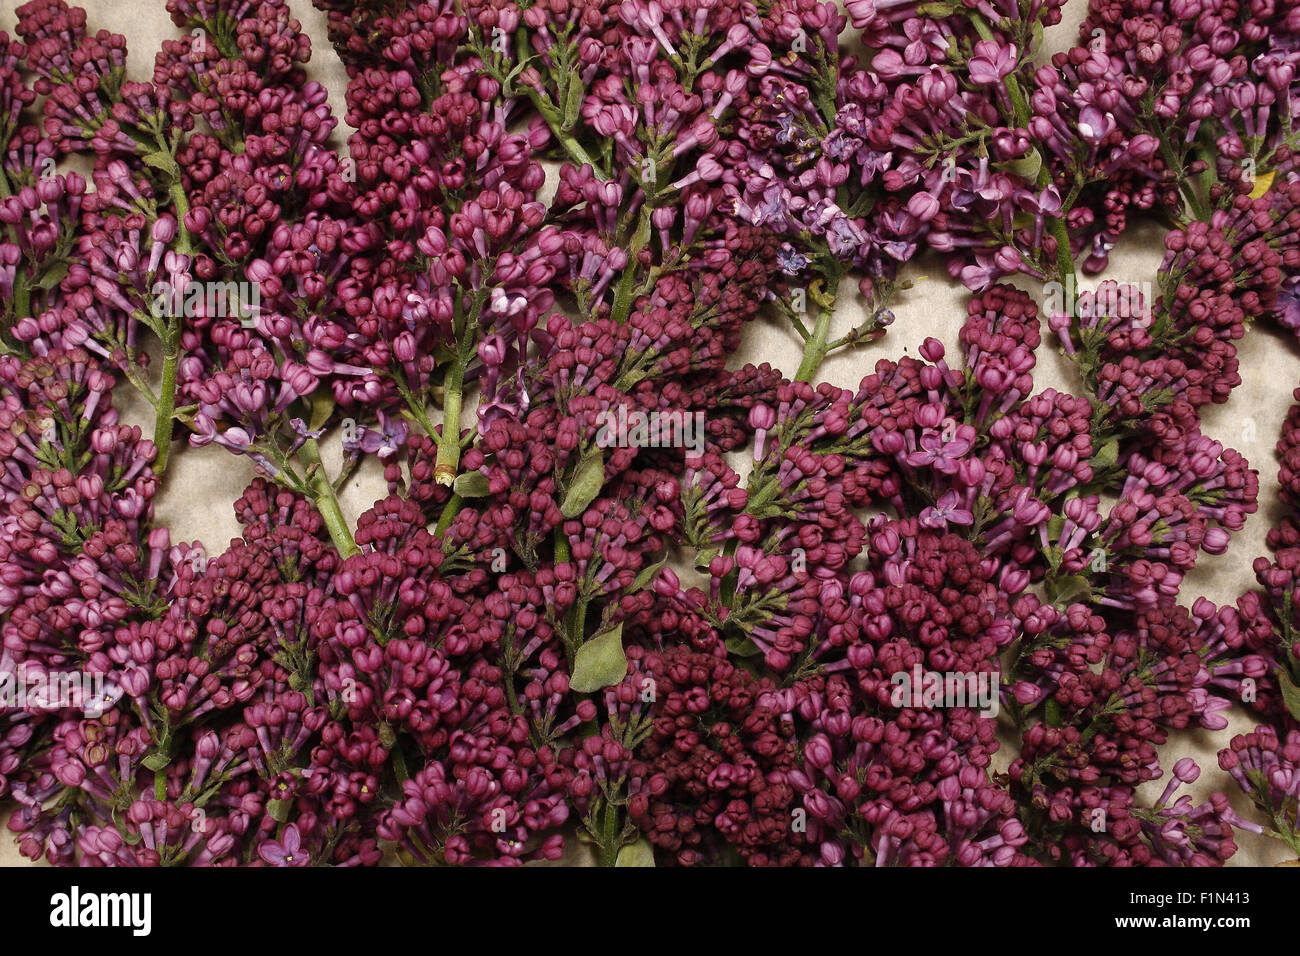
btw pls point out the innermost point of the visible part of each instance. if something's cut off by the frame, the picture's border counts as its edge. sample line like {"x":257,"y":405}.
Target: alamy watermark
{"x":930,"y":689}
{"x":75,"y":909}
{"x":235,"y":300}
{"x":1130,"y":300}
{"x":33,"y":688}
{"x":621,"y":428}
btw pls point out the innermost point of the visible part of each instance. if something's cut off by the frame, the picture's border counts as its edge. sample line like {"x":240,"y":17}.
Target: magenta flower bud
{"x":164,"y":229}
{"x":923,"y":206}
{"x":1186,"y":770}
{"x":761,"y":417}
{"x":932,"y":350}
{"x":929,"y":416}
{"x":491,"y":351}
{"x":104,"y":441}
{"x":125,"y":258}
{"x":817,"y":752}
{"x":404,"y":349}
{"x":1026,"y":694}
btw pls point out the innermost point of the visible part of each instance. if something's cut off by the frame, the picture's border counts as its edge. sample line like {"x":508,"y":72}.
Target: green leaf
{"x":936,"y":10}
{"x":588,"y":481}
{"x":1290,"y":693}
{"x":573,"y":102}
{"x":647,"y":575}
{"x":278,"y":810}
{"x":743,"y":646}
{"x":53,"y":276}
{"x":1068,"y":590}
{"x":1106,"y":456}
{"x":1052,"y":712}
{"x":162,"y":160}
{"x":471,"y":484}
{"x":600,"y":662}
{"x":127,"y":835}
{"x":1027,"y":166}
{"x":704,"y":557}
{"x":156,"y":762}
{"x":322,"y":407}
{"x":639,"y":853}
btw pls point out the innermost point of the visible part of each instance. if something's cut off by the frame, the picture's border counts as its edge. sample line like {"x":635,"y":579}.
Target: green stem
{"x":327,"y":503}
{"x":449,"y":510}
{"x":448,"y":462}
{"x":22,"y":297}
{"x":184,"y":241}
{"x":1020,"y":115}
{"x":1064,"y":259}
{"x":622,"y":305}
{"x":609,"y":841}
{"x":815,"y":349}
{"x":549,"y":112}
{"x":165,"y":417}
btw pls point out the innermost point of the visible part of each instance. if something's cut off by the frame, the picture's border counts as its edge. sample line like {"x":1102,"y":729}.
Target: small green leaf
{"x":573,"y":102}
{"x":647,"y":575}
{"x":639,"y":853}
{"x":1054,"y":557}
{"x":53,"y":276}
{"x":278,"y":810}
{"x":156,"y":762}
{"x":743,"y":646}
{"x":600,"y":662}
{"x":936,"y":10}
{"x":1068,"y":590}
{"x":1052,"y":712}
{"x":704,"y":557}
{"x":1027,"y":166}
{"x":1106,"y":456}
{"x":471,"y":484}
{"x":162,"y":160}
{"x":130,"y":837}
{"x":588,"y":481}
{"x":1290,"y":693}
{"x":322,"y":407}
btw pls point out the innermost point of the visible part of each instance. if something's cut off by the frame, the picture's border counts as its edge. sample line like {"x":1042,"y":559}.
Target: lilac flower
{"x":947,"y":510}
{"x":287,"y":851}
{"x":992,"y":63}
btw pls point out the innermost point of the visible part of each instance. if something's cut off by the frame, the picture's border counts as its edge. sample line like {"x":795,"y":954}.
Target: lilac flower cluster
{"x":936,"y":619}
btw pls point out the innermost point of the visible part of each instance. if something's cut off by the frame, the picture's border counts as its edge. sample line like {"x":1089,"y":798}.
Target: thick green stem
{"x":445,"y":468}
{"x":184,"y":244}
{"x":1064,"y":259}
{"x":327,"y":503}
{"x":449,"y":510}
{"x":622,"y":305}
{"x":814,"y":351}
{"x":22,"y":297}
{"x":165,"y":417}
{"x":609,"y":841}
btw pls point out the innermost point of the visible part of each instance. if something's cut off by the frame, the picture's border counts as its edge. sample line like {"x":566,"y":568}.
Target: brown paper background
{"x":202,"y":483}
